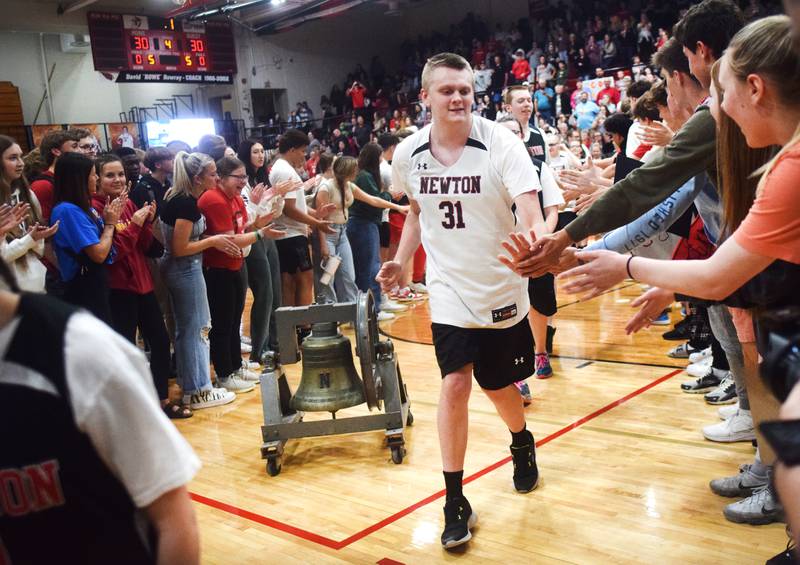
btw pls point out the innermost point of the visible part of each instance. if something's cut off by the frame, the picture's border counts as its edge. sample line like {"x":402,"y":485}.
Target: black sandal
{"x":176,"y":411}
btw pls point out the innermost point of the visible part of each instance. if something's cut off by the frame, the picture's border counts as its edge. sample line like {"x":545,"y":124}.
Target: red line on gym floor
{"x":333,"y":544}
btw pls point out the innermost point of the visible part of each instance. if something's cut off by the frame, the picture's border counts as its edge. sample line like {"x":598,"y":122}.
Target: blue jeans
{"x":344,"y":281}
{"x":187,"y":292}
{"x":366,"y":245}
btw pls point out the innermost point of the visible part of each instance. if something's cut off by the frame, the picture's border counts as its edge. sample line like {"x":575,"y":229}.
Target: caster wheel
{"x":273,"y":466}
{"x":397,"y":454}
{"x":410,"y":419}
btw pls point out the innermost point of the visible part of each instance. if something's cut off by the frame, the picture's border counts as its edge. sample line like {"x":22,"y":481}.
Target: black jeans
{"x":129,"y":310}
{"x":226,"y":291}
{"x":89,"y":289}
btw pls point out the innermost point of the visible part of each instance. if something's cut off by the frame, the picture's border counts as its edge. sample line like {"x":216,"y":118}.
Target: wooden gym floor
{"x":624,"y":467}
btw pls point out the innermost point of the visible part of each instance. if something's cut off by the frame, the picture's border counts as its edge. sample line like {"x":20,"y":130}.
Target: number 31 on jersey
{"x":453,"y":215}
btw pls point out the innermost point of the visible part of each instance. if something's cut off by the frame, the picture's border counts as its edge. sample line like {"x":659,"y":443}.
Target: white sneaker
{"x":392,"y":306}
{"x":237,"y":384}
{"x":248,"y":375}
{"x":246,"y":348}
{"x":738,"y":427}
{"x":682,"y":351}
{"x":383,"y":316}
{"x":728,"y":411}
{"x":252,"y":366}
{"x":701,"y":368}
{"x":209,"y":398}
{"x":701,"y":355}
{"x":418,"y":288}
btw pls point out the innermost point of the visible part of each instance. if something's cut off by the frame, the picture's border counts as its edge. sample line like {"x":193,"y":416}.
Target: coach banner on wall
{"x":184,"y":78}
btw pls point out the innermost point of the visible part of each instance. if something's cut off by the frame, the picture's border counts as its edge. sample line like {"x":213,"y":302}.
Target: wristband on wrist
{"x":628,"y":267}
{"x":259,"y":235}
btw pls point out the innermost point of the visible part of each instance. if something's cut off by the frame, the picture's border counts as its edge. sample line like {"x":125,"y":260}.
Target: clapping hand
{"x":226,"y":244}
{"x":257,"y":193}
{"x":262,"y":221}
{"x":113,"y":209}
{"x":142,"y":215}
{"x":12,"y":216}
{"x":325,"y":210}
{"x":285,"y":187}
{"x":657,"y":133}
{"x":39,"y":232}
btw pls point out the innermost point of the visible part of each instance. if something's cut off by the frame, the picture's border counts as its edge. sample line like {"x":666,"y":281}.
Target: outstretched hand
{"x":542,"y":256}
{"x":653,"y":302}
{"x":600,"y":271}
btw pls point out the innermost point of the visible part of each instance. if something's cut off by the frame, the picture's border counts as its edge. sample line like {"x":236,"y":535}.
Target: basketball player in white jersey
{"x":462,"y":174}
{"x":517,"y":101}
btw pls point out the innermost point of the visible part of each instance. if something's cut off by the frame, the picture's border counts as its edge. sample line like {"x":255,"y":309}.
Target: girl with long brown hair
{"x":22,"y":247}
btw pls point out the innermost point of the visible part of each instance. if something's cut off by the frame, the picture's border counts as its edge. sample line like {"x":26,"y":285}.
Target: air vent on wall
{"x":75,"y":43}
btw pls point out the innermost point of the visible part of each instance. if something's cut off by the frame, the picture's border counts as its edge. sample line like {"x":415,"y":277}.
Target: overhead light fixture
{"x":277,"y":2}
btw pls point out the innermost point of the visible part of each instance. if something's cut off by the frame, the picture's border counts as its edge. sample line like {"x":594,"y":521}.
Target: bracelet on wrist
{"x":259,"y":235}
{"x":628,"y":267}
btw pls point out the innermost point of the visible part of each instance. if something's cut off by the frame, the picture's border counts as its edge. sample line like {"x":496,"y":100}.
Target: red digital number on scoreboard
{"x":140,"y":43}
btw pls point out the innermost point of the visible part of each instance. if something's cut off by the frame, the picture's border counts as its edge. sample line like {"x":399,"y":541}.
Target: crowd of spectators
{"x":559,"y":53}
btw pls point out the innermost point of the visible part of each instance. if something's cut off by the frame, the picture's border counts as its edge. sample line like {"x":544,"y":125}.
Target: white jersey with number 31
{"x":465,"y":215}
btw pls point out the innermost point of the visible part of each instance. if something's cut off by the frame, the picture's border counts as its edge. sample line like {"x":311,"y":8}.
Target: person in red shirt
{"x":357,"y":92}
{"x":612,"y":92}
{"x":53,"y":145}
{"x":226,"y":283}
{"x":133,"y":302}
{"x":521,"y":69}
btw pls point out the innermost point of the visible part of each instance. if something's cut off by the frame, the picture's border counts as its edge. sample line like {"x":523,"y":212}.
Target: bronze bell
{"x":329,"y":382}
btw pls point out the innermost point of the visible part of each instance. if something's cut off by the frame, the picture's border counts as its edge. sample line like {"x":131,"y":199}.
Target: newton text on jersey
{"x":450,"y":185}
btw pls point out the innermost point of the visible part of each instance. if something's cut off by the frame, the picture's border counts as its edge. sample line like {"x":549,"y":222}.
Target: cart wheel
{"x":273,"y":466}
{"x":410,"y":419}
{"x":397,"y":454}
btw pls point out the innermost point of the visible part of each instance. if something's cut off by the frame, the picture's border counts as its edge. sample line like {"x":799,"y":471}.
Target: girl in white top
{"x":22,"y":247}
{"x":341,"y":174}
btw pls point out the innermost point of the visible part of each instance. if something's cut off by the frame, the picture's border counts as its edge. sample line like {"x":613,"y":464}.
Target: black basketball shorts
{"x":293,"y":254}
{"x":542,"y":294}
{"x":500,"y":357}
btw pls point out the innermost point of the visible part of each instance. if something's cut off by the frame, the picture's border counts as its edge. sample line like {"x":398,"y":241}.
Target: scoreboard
{"x":153,"y":49}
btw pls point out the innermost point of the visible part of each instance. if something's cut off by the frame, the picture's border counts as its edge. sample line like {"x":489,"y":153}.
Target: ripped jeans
{"x":187,"y":293}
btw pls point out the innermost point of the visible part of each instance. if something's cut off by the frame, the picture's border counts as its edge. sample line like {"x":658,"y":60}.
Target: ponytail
{"x":187,"y":167}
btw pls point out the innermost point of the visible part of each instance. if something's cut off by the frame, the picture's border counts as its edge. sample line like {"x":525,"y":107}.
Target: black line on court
{"x":610,"y":290}
{"x":615,"y":361}
{"x":588,"y":359}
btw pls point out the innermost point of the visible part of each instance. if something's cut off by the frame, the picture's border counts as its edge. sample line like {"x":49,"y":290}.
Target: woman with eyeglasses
{"x":226,"y":284}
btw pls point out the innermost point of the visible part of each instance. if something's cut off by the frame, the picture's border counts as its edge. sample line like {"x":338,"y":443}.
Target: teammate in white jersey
{"x":462,"y":175}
